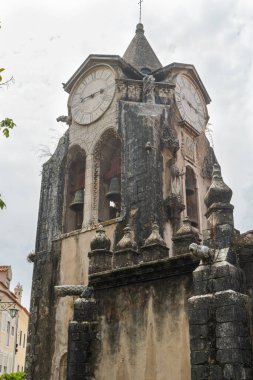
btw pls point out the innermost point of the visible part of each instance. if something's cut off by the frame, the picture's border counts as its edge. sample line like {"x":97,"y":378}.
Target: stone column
{"x":82,"y":333}
{"x":220,"y":212}
{"x":87,"y":211}
{"x":218,"y":312}
{"x":100,"y":255}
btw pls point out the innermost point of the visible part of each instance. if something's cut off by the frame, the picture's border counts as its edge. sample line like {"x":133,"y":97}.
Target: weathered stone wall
{"x":46,"y":259}
{"x":143,"y":331}
{"x":142,"y":200}
{"x":246,"y":263}
{"x":72,"y":273}
{"x":52,"y":197}
{"x":42,"y":320}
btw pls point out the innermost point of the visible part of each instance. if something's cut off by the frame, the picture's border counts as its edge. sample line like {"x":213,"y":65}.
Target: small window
{"x":18,"y":368}
{"x":191,"y":196}
{"x":146,"y":71}
{"x":4,"y":320}
{"x":0,"y":368}
{"x":5,"y":368}
{"x":22,"y":369}
{"x":24,"y":341}
{"x":20,"y":338}
{"x":12,"y":331}
{"x":8,"y":333}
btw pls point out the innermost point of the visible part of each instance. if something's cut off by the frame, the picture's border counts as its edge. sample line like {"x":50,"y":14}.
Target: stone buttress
{"x":219,"y":321}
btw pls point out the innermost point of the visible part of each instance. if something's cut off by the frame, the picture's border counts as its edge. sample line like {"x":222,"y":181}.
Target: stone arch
{"x":74,"y":186}
{"x":191,"y":190}
{"x":107,"y":165}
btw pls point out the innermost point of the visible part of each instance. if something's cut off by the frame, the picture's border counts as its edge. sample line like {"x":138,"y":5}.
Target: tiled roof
{"x":140,"y":54}
{"x":4,"y":268}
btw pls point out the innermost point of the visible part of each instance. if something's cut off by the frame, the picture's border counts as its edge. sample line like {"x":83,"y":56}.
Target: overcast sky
{"x":42,"y":45}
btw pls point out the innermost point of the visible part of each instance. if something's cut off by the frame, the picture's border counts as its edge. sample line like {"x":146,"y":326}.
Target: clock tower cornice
{"x":176,"y":68}
{"x":95,"y":59}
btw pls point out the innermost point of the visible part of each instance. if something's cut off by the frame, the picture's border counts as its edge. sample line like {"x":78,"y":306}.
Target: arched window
{"x":75,"y":189}
{"x":191,"y":196}
{"x":108,"y":160}
{"x":63,"y":367}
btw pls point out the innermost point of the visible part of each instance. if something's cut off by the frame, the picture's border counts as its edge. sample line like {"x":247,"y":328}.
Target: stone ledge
{"x":155,"y":270}
{"x":69,"y":290}
{"x":89,"y":227}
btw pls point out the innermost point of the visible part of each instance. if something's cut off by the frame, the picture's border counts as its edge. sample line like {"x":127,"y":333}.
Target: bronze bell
{"x":77,"y":204}
{"x":113,"y":194}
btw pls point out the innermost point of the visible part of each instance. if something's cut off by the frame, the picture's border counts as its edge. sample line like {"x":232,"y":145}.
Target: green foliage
{"x":2,"y":204}
{"x":7,"y":123}
{"x":12,"y":376}
{"x":1,"y":78}
{"x":5,"y":126}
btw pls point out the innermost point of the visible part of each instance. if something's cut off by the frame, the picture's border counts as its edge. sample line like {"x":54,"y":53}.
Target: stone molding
{"x":69,"y":290}
{"x":148,"y":271}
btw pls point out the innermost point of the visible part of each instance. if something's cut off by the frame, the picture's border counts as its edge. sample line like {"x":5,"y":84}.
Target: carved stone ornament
{"x":174,"y":205}
{"x":155,"y":237}
{"x":149,"y":89}
{"x":218,"y":192}
{"x":202,"y":252}
{"x":68,"y":290}
{"x":31,"y":257}
{"x":101,"y":240}
{"x":64,"y":119}
{"x":187,"y":228}
{"x":169,"y":140}
{"x":127,"y":242}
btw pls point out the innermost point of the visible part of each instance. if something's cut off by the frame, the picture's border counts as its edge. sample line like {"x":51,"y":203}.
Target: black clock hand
{"x":93,"y":94}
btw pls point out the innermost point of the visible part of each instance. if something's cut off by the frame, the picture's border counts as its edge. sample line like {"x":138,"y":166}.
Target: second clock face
{"x":190,"y":103}
{"x":93,"y":94}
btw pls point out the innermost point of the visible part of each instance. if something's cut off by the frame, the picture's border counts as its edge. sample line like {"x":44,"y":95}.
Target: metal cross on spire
{"x":140,"y":2}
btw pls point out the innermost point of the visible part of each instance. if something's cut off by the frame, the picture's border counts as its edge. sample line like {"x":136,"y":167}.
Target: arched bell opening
{"x":75,"y":189}
{"x":109,"y":161}
{"x":191,"y":196}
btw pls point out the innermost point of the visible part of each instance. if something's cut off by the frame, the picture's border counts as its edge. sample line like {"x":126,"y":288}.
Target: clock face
{"x":93,"y":94}
{"x":190,"y":103}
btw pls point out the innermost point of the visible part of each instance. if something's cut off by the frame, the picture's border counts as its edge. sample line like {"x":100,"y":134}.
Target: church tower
{"x":121,"y":200}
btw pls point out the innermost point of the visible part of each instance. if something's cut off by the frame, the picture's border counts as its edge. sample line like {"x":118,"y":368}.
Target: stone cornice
{"x":149,"y":271}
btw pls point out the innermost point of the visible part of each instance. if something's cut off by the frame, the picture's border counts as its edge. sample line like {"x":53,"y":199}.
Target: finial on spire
{"x":140,"y":2}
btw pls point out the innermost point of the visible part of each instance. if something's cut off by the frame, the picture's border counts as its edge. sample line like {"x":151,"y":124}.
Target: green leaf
{"x":2,"y":204}
{"x":6,"y":125}
{"x":6,"y":132}
{"x":1,"y":70}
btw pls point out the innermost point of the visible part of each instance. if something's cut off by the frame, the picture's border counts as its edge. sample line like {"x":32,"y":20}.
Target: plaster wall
{"x":23,"y":319}
{"x":73,"y":270}
{"x":144,"y":331}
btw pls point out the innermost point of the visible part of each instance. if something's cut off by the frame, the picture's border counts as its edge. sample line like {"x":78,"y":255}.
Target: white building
{"x":13,"y":329}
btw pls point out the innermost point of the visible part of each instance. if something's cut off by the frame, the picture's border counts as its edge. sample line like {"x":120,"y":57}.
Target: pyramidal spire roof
{"x":140,"y":54}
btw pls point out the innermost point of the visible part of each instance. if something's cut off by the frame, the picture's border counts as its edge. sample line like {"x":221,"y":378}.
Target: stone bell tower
{"x":122,"y":198}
